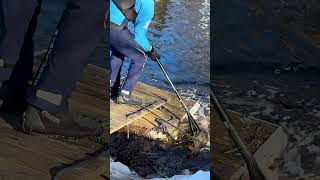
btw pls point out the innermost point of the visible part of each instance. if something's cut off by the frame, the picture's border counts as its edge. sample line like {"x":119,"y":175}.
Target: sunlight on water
{"x":205,"y":20}
{"x":180,"y":31}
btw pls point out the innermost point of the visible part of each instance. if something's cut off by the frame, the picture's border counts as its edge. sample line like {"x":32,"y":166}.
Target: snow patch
{"x":119,"y":171}
{"x":203,"y":175}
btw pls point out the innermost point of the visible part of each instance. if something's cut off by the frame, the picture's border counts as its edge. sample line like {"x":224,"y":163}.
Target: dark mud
{"x":153,"y":158}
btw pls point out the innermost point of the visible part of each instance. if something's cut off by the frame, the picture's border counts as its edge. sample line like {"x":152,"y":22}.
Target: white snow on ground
{"x":119,"y":171}
{"x":200,"y":175}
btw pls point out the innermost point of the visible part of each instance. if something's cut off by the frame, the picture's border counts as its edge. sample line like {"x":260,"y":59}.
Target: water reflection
{"x":205,"y":19}
{"x":180,"y":31}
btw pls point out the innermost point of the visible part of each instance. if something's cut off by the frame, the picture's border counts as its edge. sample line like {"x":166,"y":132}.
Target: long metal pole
{"x":252,"y":165}
{"x":192,"y":123}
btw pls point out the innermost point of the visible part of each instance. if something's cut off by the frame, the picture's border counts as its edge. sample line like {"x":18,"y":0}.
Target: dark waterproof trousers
{"x":123,"y":44}
{"x":78,"y":33}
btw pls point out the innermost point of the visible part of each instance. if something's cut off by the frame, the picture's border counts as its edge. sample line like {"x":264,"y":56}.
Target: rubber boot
{"x":37,"y":121}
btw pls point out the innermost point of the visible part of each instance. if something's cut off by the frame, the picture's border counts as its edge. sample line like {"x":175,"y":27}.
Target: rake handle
{"x":194,"y":126}
{"x":254,"y":170}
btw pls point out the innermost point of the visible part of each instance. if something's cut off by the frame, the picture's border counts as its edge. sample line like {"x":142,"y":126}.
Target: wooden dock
{"x":31,"y":157}
{"x":25,"y":156}
{"x":265,"y":140}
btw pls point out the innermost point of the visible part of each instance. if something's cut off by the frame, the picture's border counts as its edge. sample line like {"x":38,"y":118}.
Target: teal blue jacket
{"x":145,"y":13}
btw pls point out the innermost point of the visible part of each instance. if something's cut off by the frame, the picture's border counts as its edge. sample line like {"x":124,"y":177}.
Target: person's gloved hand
{"x":153,"y":54}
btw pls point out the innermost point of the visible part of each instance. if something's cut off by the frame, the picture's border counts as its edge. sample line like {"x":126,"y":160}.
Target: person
{"x":131,"y":44}
{"x":44,"y":104}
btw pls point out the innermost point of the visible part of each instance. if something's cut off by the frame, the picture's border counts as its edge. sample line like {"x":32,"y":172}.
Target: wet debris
{"x":186,"y":172}
{"x":287,"y":69}
{"x":277,"y":71}
{"x":313,"y":148}
{"x":251,"y":93}
{"x":292,"y":162}
{"x":271,"y":87}
{"x":314,"y":113}
{"x":286,"y":118}
{"x":299,"y":116}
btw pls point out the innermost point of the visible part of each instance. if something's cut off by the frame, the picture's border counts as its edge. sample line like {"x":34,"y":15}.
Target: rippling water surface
{"x":180,"y":32}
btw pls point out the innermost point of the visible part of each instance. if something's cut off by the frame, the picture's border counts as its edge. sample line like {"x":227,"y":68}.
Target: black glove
{"x":153,"y":55}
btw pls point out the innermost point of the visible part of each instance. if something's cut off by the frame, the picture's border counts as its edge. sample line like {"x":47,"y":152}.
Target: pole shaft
{"x":253,"y":168}
{"x":191,"y":120}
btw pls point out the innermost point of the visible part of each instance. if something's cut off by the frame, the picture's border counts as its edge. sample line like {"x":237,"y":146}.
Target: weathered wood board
{"x":172,"y":116}
{"x":87,"y":169}
{"x":122,"y":115}
{"x":90,"y":92}
{"x":172,"y":110}
{"x":27,"y":157}
{"x":35,"y":157}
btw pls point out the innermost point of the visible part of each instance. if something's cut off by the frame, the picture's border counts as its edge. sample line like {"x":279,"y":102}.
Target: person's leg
{"x":138,"y":60}
{"x":16,"y":17}
{"x":2,"y":25}
{"x":79,"y":32}
{"x":125,"y":44}
{"x":18,"y":23}
{"x":116,"y":60}
{"x":22,"y":72}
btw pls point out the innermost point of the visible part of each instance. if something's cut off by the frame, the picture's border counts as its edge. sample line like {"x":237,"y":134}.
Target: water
{"x":180,"y":32}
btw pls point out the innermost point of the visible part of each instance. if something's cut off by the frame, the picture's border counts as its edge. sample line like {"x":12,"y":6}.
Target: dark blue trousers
{"x":123,"y":44}
{"x":78,"y":33}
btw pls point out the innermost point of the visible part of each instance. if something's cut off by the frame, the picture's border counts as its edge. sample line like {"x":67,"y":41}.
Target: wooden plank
{"x":121,"y":115}
{"x":36,"y":156}
{"x":171,"y":115}
{"x":144,"y":88}
{"x":25,"y":156}
{"x":152,"y":98}
{"x":91,"y":168}
{"x":89,"y":96}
